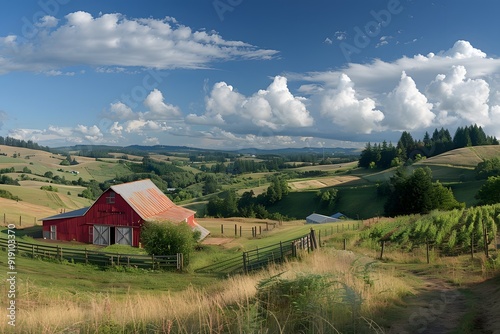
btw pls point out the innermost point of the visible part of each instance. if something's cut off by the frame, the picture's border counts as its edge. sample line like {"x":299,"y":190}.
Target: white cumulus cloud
{"x":406,"y":108}
{"x":459,"y":96}
{"x":115,"y":40}
{"x":158,"y":108}
{"x":274,"y":108}
{"x":346,"y":110}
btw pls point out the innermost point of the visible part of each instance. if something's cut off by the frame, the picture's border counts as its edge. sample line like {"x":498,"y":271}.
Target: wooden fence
{"x":260,"y":257}
{"x":19,"y":220}
{"x":95,"y":257}
{"x":244,"y":230}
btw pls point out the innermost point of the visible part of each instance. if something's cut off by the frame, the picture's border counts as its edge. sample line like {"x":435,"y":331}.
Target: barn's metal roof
{"x":150,"y":202}
{"x":70,"y":214}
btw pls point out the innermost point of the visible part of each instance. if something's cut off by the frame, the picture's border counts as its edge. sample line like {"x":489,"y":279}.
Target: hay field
{"x":466,"y":157}
{"x":333,"y":167}
{"x":50,"y":199}
{"x":321,"y":182}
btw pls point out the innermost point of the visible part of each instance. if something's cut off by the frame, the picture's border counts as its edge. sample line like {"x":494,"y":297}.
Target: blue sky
{"x":230,"y":74}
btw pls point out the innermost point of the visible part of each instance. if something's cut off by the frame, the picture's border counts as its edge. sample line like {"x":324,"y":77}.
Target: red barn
{"x":117,"y":215}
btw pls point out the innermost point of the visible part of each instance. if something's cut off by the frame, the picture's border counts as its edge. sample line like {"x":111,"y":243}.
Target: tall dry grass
{"x":228,"y":307}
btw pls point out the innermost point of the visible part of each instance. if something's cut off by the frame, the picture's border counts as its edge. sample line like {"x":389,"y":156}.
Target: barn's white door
{"x":123,"y":236}
{"x":53,"y":232}
{"x":101,"y":235}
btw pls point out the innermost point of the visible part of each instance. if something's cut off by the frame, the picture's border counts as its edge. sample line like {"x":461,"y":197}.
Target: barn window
{"x":53,"y":232}
{"x":111,"y":198}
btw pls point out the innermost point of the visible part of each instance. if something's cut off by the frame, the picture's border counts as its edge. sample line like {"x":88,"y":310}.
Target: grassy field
{"x":364,"y":293}
{"x":467,"y":156}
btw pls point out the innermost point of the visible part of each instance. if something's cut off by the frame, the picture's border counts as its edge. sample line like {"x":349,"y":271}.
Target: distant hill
{"x":464,"y":157}
{"x":138,"y":149}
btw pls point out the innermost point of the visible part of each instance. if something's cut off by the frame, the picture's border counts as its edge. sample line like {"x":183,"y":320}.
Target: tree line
{"x":408,"y":149}
{"x":249,"y":205}
{"x":9,"y":141}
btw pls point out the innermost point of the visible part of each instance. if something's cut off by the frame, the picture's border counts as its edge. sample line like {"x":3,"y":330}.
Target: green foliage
{"x":453,"y":232}
{"x":327,"y":198}
{"x":409,"y":150}
{"x":489,"y":193}
{"x":165,"y":238}
{"x":293,"y":304}
{"x":5,"y":179}
{"x":210,"y":185}
{"x":49,"y":188}
{"x":487,"y":168}
{"x":8,"y":195}
{"x":416,"y":193}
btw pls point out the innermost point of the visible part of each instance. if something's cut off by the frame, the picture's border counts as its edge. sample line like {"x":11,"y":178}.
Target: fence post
{"x":245,"y":269}
{"x":86,"y":256}
{"x":33,"y":251}
{"x":382,"y":250}
{"x":240,"y":230}
{"x":180,"y":261}
{"x":319,"y":237}
{"x":153,"y":261}
{"x":314,"y":244}
{"x":128,"y":261}
{"x":472,"y":245}
{"x":235,"y":230}
{"x":57,"y":251}
{"x":427,"y":251}
{"x":20,"y":221}
{"x":345,"y":242}
{"x":486,"y":240}
{"x":118,"y":260}
{"x":281,"y":251}
{"x":111,"y":260}
{"x":221,"y":228}
{"x":260,"y":229}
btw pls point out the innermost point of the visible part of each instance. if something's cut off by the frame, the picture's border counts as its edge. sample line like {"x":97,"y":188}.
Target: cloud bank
{"x":115,"y":40}
{"x":359,"y":103}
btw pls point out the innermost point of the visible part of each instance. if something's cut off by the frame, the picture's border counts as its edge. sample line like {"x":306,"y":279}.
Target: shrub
{"x":166,"y":238}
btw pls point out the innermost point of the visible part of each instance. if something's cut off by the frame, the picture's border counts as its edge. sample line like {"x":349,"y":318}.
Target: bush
{"x":166,"y":238}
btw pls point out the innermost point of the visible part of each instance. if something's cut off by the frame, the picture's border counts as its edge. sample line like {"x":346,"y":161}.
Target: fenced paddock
{"x":260,"y":257}
{"x":102,"y":259}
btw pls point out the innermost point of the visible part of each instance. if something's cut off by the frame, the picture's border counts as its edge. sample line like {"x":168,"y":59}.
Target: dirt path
{"x":436,"y":308}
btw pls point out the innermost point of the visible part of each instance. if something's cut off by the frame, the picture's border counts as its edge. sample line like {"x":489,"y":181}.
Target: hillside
{"x":463,"y":157}
{"x":357,"y":186}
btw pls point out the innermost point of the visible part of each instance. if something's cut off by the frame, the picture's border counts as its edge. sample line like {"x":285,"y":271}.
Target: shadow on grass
{"x":32,"y":231}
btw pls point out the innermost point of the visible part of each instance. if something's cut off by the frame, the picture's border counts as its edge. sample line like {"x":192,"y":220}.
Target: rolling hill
{"x":358,"y":187}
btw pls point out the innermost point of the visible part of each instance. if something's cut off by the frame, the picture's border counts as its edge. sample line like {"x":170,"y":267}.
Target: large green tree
{"x":489,"y":193}
{"x":416,"y":193}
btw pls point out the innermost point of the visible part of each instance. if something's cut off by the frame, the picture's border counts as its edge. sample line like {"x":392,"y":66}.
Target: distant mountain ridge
{"x":187,"y":149}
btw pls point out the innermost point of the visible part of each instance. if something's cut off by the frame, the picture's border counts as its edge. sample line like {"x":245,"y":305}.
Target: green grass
{"x":77,"y":278}
{"x":465,"y":191}
{"x":362,"y":202}
{"x":298,"y":205}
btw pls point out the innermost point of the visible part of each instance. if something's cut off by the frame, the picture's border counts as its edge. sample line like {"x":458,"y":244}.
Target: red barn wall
{"x":101,"y":212}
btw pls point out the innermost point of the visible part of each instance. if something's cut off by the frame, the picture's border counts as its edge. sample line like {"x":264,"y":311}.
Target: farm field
{"x":59,"y":200}
{"x":104,"y":298}
{"x":467,"y":156}
{"x":321,"y":182}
